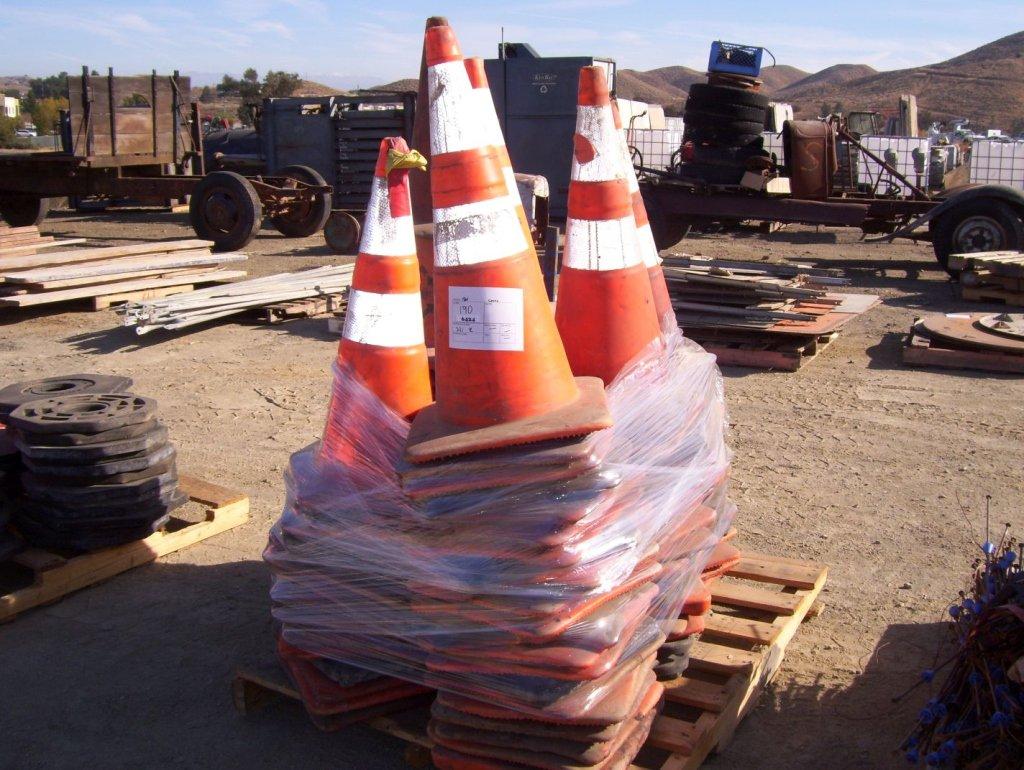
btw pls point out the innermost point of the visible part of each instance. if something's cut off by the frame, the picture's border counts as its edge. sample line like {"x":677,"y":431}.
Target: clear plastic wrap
{"x":540,"y":577}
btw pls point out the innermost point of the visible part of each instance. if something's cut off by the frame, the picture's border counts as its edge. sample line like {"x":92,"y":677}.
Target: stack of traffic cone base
{"x":335,"y":694}
{"x":382,"y":341}
{"x":501,"y":372}
{"x":605,"y":309}
{"x":644,"y":235}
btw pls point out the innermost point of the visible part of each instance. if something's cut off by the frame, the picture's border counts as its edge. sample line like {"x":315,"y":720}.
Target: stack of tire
{"x":724,"y":125}
{"x":98,"y":469}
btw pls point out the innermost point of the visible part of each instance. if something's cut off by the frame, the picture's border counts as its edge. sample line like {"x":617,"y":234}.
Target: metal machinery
{"x":338,"y":137}
{"x":722,"y":173}
{"x":535,"y":98}
{"x":139,"y":137}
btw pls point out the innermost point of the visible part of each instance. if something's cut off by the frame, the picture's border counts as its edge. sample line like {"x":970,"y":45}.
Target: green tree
{"x":46,"y":113}
{"x":12,"y":92}
{"x":228,"y":86}
{"x":206,"y":95}
{"x":54,"y":86}
{"x":7,"y":138}
{"x":277,"y":84}
{"x":251,"y":75}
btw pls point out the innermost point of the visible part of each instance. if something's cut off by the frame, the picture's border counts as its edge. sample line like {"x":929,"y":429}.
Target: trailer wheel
{"x":978,"y":225}
{"x":342,"y":233}
{"x":225,"y":209}
{"x":308,"y":216}
{"x":23,"y":210}
{"x":667,"y":233}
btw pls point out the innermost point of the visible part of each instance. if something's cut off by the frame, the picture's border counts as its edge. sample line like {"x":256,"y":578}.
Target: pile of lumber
{"x":760,"y":314}
{"x":327,"y":284}
{"x":114,"y":274}
{"x":991,"y":276}
{"x":22,"y":241}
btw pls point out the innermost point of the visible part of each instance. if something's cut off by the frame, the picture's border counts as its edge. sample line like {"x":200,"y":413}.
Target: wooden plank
{"x":105,"y":252}
{"x":63,"y":295}
{"x":212,"y":495}
{"x":673,"y":735}
{"x":90,"y":568}
{"x":767,"y":570}
{"x":697,"y":693}
{"x":90,"y":280}
{"x":707,"y":656}
{"x":109,"y":300}
{"x":114,"y":267}
{"x":23,"y":251}
{"x":740,"y":629}
{"x":740,"y":595}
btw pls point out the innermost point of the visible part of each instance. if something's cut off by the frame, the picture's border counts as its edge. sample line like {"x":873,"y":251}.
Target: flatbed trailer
{"x":135,"y":137}
{"x":965,"y":219}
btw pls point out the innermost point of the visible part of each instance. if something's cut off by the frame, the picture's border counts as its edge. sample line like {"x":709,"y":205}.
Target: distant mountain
{"x":985,"y":85}
{"x":406,"y":84}
{"x":782,"y":76}
{"x":834,"y":75}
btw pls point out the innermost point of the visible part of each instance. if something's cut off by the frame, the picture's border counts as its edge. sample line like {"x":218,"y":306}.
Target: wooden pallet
{"x":922,"y":351}
{"x":787,"y":354}
{"x":992,"y":294}
{"x":36,"y":577}
{"x":309,"y":307}
{"x":757,"y":608}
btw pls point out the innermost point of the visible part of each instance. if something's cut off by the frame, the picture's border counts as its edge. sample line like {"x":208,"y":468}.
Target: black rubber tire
{"x":982,"y":224}
{"x":342,"y":233}
{"x":707,"y":95}
{"x":23,"y":210}
{"x":728,"y":156}
{"x":310,"y":218}
{"x":704,"y":122}
{"x":725,"y":112}
{"x":666,"y":232}
{"x":225,"y":208}
{"x":718,"y":137}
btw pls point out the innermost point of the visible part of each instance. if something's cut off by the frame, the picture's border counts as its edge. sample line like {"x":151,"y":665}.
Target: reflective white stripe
{"x":602,"y":244}
{"x":597,"y":125}
{"x":511,"y":183}
{"x":455,"y":122}
{"x":484,"y":112}
{"x":478,"y":232}
{"x":383,"y":234}
{"x":645,"y":244}
{"x":385,"y":320}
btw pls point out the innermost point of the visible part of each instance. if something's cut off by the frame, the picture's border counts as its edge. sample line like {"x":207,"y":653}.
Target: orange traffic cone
{"x":644,"y":236}
{"x":422,"y":212}
{"x":605,"y":310}
{"x":382,"y":340}
{"x":501,"y":371}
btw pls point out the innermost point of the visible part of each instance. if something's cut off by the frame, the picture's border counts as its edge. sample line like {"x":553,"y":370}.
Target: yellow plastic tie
{"x":400,"y":160}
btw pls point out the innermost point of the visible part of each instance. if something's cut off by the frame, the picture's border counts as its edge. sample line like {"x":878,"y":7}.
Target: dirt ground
{"x":855,"y":462}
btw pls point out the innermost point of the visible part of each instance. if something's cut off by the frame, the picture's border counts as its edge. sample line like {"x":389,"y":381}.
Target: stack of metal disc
{"x":10,"y":463}
{"x":98,"y":470}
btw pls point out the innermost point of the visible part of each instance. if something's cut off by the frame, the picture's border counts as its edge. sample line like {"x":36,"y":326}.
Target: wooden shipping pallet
{"x":787,"y":354}
{"x":309,"y":307}
{"x":757,"y":608}
{"x":992,"y":294}
{"x":36,"y":577}
{"x":919,"y":350}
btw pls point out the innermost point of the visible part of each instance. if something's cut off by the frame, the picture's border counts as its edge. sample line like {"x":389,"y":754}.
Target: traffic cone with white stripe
{"x":382,"y":340}
{"x":501,"y":372}
{"x":644,"y":236}
{"x":605,"y":310}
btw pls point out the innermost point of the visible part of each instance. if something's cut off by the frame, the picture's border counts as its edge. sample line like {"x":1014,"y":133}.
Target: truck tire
{"x":708,"y":124}
{"x":306,"y":217}
{"x":225,"y":208}
{"x":718,"y":137}
{"x":976,"y":225}
{"x":707,"y":95}
{"x":725,"y":112}
{"x":23,"y":210}
{"x":342,"y":233}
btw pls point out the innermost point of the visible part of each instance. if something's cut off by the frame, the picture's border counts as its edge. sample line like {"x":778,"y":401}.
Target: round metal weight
{"x":88,"y":453}
{"x":39,"y":534}
{"x":342,"y":232}
{"x":84,"y":439}
{"x":91,"y":413}
{"x":963,"y":329}
{"x":52,"y":387}
{"x":66,"y":521}
{"x":153,"y":506}
{"x":1006,"y":324}
{"x":107,"y":471}
{"x":159,"y":487}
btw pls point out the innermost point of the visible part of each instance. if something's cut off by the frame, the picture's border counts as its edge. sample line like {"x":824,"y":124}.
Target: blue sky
{"x":347,"y":44}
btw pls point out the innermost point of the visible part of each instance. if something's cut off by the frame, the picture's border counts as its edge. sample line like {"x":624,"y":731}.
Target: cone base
{"x":432,"y":438}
